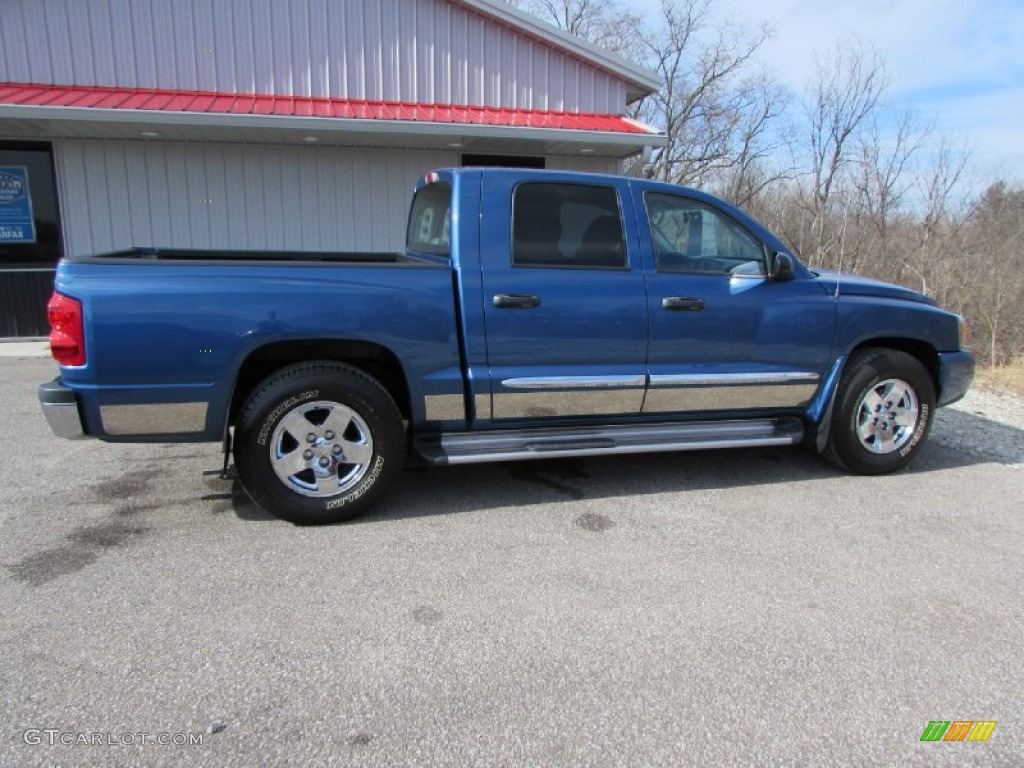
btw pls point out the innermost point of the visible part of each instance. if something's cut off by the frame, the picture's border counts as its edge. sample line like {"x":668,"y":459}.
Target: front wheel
{"x":318,"y":442}
{"x":883,"y":411}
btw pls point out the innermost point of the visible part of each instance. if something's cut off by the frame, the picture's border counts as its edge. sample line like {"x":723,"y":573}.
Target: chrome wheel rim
{"x":887,"y":416}
{"x":321,"y":449}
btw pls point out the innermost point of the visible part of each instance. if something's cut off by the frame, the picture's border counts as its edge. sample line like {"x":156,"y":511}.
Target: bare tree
{"x":719,"y":116}
{"x":885,"y":179}
{"x":707,"y":106}
{"x":758,"y":143}
{"x":934,"y":243}
{"x":846,"y":92}
{"x":939,"y":185}
{"x":598,"y":21}
{"x":995,"y":246}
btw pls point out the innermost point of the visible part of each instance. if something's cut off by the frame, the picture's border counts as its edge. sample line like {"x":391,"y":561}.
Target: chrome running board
{"x":521,"y":444}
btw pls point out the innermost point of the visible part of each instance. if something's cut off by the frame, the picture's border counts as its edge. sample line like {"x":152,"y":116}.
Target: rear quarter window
{"x":430,"y":220}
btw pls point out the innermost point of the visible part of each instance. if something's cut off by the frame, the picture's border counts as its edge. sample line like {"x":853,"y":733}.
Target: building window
{"x":30,"y":237}
{"x":502,"y":161}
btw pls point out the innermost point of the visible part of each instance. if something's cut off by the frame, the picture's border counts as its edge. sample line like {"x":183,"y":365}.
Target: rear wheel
{"x":318,"y":442}
{"x":882,"y":414}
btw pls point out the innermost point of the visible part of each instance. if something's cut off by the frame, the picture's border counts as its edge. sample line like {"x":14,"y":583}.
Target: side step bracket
{"x":521,"y":444}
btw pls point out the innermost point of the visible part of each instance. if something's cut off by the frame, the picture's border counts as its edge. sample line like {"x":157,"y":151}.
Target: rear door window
{"x":567,"y":226}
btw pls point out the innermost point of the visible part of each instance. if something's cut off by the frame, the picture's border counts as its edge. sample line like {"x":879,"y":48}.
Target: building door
{"x":30,"y":238}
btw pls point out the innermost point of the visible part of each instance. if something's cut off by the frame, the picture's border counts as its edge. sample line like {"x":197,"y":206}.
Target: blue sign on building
{"x":16,"y":222}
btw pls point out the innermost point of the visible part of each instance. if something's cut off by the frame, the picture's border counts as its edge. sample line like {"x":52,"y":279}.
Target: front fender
{"x":818,"y":415}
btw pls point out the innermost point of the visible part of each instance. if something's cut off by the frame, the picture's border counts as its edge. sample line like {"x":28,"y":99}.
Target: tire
{"x":318,"y":442}
{"x":883,"y":412}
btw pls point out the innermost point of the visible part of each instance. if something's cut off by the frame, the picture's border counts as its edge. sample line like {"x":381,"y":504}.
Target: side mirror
{"x":782,"y":268}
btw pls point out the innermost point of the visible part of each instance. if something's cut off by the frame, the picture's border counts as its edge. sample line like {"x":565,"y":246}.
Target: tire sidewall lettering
{"x":922,"y":427}
{"x":280,"y":410}
{"x":369,"y":481}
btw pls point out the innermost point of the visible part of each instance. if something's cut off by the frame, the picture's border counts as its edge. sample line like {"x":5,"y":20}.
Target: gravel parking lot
{"x":736,"y":608}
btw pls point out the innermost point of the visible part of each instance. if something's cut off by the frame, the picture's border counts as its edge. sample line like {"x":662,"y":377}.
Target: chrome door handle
{"x":682,"y":304}
{"x":516,"y":300}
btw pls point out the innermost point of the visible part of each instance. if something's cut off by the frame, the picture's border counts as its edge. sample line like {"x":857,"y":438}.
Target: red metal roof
{"x":159,"y":100}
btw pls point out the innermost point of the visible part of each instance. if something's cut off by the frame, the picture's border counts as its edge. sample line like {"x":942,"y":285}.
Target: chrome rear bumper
{"x":60,"y":407}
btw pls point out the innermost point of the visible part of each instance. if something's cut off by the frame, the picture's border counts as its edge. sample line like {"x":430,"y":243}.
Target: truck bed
{"x":199,"y":256}
{"x":176,"y":326}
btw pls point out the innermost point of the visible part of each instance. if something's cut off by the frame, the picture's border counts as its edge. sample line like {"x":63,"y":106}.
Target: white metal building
{"x":274,"y":125}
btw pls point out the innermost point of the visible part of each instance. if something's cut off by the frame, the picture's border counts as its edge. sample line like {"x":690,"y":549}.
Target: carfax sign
{"x":16,"y":223}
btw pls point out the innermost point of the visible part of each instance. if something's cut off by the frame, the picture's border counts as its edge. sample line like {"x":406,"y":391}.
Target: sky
{"x":958,"y":64}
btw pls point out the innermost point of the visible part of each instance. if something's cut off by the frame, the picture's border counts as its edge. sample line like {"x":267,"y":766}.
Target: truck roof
{"x":584,"y":177}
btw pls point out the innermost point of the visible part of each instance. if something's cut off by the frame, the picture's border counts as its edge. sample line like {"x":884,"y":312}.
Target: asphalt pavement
{"x":751,"y":607}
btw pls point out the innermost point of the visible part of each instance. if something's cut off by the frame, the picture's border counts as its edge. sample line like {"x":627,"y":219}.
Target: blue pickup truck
{"x":533,"y":314}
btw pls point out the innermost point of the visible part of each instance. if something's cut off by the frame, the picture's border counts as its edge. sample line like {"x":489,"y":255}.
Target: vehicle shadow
{"x":959,"y":439}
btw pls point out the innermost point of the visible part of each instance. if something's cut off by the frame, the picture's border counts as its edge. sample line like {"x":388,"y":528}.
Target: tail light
{"x":67,"y":333}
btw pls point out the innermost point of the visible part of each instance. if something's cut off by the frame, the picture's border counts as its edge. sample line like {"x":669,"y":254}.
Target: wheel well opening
{"x":922,"y":350}
{"x":373,"y":359}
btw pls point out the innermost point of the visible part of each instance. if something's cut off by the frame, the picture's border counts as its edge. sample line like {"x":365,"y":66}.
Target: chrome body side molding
{"x":544,"y":397}
{"x":576,"y":382}
{"x":482,"y":403}
{"x":444,"y":408}
{"x":733,"y":379}
{"x":552,"y":396}
{"x":729,"y":391}
{"x":154,"y":418}
{"x":551,"y":403}
{"x":555,"y":396}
